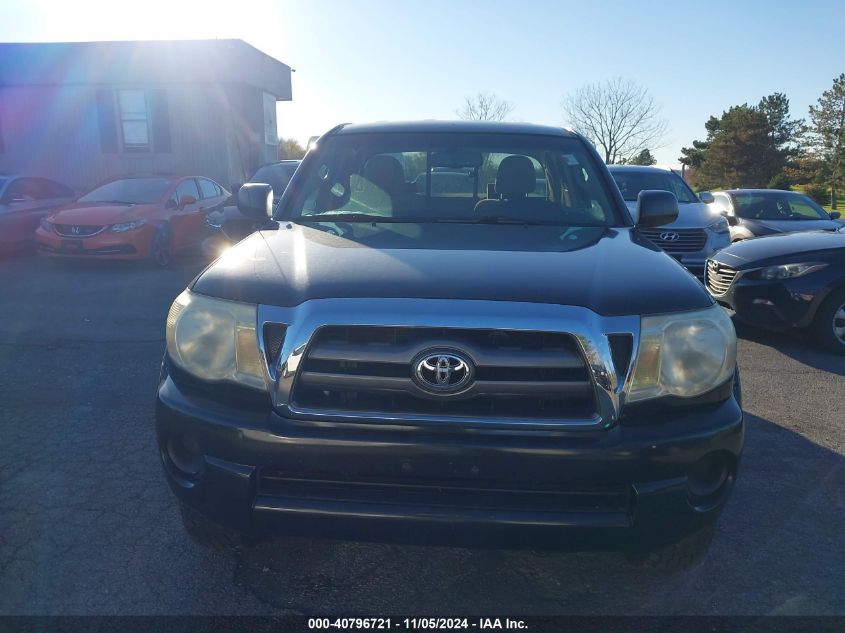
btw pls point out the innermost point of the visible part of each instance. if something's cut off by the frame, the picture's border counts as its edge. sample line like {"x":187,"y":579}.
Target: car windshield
{"x":631,"y":182}
{"x":130,"y":191}
{"x":463,"y":178}
{"x":777,"y":205}
{"x":277,"y":176}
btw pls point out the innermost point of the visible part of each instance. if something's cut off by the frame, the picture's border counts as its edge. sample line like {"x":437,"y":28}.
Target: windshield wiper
{"x":516,"y":221}
{"x":350,"y":217}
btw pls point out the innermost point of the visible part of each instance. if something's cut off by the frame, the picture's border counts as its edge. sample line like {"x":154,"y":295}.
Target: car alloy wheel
{"x":830,"y":322}
{"x":160,"y":247}
{"x":839,"y":323}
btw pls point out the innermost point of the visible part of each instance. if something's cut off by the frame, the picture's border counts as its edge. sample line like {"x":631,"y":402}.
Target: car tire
{"x":677,"y":556}
{"x":161,"y":247}
{"x":205,"y":532}
{"x":831,"y":313}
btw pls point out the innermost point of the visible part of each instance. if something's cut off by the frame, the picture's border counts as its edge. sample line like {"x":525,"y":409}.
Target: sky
{"x":372,"y":60}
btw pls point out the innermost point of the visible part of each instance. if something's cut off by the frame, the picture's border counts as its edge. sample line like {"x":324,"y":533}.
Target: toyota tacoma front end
{"x":507,"y":364}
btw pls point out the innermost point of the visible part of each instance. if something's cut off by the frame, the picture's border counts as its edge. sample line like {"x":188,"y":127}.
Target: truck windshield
{"x":462,"y":178}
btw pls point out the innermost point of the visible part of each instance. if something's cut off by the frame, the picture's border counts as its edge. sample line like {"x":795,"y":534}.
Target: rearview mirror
{"x":706,"y":197}
{"x":835,"y":215}
{"x":456,"y":159}
{"x":656,"y":208}
{"x":255,"y":200}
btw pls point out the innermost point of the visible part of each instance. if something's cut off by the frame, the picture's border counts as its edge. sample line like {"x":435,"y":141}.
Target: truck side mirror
{"x":656,"y":208}
{"x":255,"y":200}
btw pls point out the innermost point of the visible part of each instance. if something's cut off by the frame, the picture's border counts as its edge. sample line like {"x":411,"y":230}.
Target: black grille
{"x":719,"y":277}
{"x":677,"y":240}
{"x":516,"y":496}
{"x":535,"y":375}
{"x":77,"y":230}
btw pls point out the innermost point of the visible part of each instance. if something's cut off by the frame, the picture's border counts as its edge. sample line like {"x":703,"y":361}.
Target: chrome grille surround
{"x":82,"y":230}
{"x":588,"y":330}
{"x":688,"y":241}
{"x":719,"y":277}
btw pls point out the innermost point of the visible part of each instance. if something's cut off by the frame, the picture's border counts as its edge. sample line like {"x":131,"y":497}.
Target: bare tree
{"x":485,"y":107}
{"x":290,"y":149}
{"x":618,"y":116}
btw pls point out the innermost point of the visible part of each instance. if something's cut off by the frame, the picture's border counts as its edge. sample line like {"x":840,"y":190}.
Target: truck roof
{"x":435,"y":127}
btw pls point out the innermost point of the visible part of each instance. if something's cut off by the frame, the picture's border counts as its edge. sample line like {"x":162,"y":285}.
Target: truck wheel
{"x":203,"y":531}
{"x":160,"y":247}
{"x":678,"y":556}
{"x":829,"y":324}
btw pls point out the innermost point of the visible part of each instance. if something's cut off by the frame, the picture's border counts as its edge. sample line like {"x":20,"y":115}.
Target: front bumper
{"x":626,"y":487}
{"x":106,"y":245}
{"x":775,"y":305}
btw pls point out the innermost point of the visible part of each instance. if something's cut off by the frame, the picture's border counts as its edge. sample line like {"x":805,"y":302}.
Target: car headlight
{"x":683,"y":354}
{"x":786,"y":271}
{"x":720,"y":226}
{"x":215,"y":340}
{"x":46,"y":225}
{"x":127,"y":226}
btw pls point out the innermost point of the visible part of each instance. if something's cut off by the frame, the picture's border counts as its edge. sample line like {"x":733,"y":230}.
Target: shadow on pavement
{"x":800,"y":346}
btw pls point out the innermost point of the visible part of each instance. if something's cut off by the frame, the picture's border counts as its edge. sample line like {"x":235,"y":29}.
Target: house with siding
{"x":82,"y":112}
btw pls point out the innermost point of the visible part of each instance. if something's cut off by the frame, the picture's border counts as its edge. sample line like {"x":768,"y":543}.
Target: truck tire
{"x":203,"y":531}
{"x":677,"y":556}
{"x":831,"y":314}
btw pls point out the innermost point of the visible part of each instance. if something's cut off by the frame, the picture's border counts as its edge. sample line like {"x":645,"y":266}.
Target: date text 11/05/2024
{"x":416,"y":623}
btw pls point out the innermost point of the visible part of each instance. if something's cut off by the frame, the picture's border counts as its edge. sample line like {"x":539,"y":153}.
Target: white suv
{"x":695,"y":235}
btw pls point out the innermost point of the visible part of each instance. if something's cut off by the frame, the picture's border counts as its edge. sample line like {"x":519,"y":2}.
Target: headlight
{"x":127,"y":226}
{"x":46,"y":225}
{"x":786,"y":271}
{"x":720,"y":226}
{"x":684,"y":354}
{"x":215,"y":340}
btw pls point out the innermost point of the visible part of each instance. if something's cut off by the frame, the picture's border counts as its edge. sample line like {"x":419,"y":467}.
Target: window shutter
{"x":161,"y":120}
{"x":107,"y":121}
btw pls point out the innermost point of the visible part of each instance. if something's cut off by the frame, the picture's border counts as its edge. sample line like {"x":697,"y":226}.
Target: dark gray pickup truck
{"x":503,"y":363}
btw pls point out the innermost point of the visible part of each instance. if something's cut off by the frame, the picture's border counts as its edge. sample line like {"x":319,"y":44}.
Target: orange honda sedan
{"x":138,"y":217}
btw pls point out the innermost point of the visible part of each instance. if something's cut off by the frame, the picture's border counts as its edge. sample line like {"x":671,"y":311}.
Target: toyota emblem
{"x":442,"y":371}
{"x":669,"y":236}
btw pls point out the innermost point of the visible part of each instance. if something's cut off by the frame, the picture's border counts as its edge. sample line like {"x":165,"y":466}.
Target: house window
{"x":134,"y":120}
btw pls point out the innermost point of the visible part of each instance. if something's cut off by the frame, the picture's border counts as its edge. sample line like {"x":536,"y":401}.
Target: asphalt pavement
{"x":88,"y":525}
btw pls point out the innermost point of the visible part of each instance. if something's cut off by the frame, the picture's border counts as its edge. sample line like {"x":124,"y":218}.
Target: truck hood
{"x":86,"y":213}
{"x":751,"y":252}
{"x":691,"y":215}
{"x":612,"y":271}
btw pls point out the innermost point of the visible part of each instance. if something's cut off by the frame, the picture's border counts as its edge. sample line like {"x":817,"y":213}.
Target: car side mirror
{"x":184,"y":201}
{"x":835,"y":215}
{"x":255,"y":200}
{"x":706,"y":197}
{"x":656,"y":208}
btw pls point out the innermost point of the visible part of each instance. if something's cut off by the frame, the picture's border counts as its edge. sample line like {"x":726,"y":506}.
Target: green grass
{"x":840,"y":199}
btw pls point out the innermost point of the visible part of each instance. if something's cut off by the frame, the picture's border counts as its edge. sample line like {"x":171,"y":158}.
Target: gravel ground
{"x":88,"y":525}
